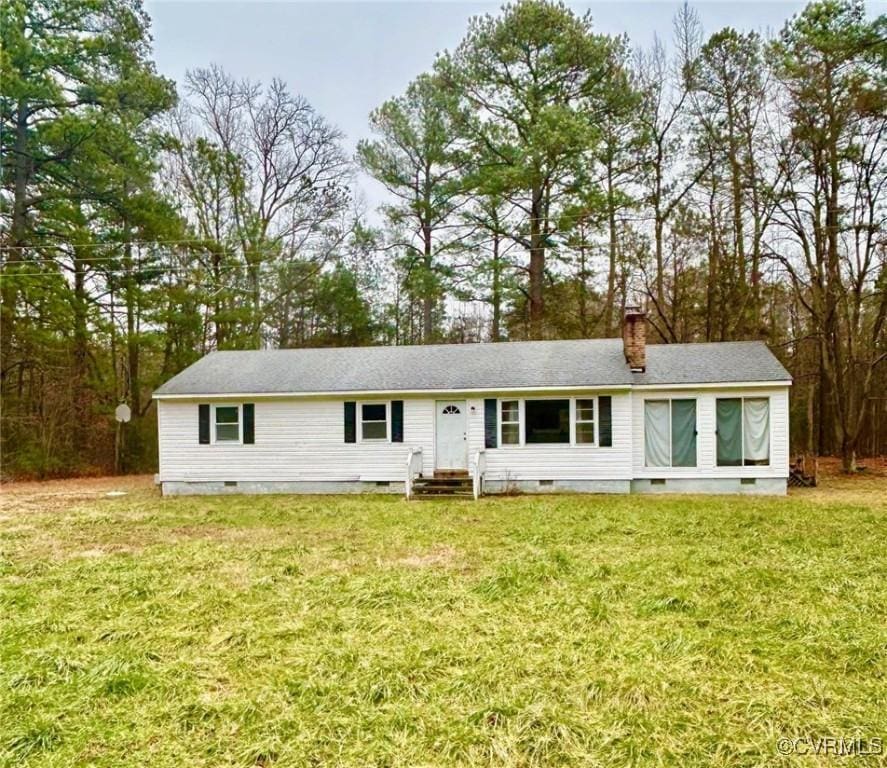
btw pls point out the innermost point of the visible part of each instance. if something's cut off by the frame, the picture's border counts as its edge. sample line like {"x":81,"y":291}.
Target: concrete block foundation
{"x":764,"y":486}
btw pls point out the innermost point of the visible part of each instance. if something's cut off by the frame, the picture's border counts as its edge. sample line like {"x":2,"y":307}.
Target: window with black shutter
{"x":249,"y":423}
{"x":350,"y":422}
{"x":397,"y":421}
{"x":490,"y":426}
{"x":605,"y":421}
{"x":203,"y":426}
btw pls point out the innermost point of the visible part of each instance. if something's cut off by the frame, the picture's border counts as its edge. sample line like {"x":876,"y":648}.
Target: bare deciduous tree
{"x":265,"y":180}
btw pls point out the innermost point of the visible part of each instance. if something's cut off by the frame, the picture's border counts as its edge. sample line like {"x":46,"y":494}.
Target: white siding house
{"x":587,"y":415}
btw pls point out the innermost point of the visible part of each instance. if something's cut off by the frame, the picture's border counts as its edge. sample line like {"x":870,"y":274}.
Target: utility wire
{"x":207,"y":242}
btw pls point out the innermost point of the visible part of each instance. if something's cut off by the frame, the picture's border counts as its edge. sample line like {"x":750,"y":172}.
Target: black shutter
{"x":203,"y":431}
{"x":249,"y":423}
{"x":397,"y":421}
{"x":350,"y":422}
{"x":490,"y":424}
{"x":605,"y":428}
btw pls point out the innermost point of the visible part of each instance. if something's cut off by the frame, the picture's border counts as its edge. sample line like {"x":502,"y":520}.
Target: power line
{"x":137,"y":270}
{"x":149,"y":266}
{"x":140,"y":264}
{"x":93,"y":259}
{"x":206,"y":243}
{"x":191,"y":241}
{"x":154,"y":263}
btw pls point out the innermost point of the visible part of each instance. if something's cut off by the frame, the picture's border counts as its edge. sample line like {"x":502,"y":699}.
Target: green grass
{"x":584,"y":631}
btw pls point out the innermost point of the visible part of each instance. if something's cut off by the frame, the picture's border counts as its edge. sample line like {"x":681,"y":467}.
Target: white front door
{"x":451,"y":435}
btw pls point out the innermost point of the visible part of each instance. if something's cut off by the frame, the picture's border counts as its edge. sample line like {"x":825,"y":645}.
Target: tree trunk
{"x":823,"y":444}
{"x":609,"y":319}
{"x":132,"y":337}
{"x":757,"y":215}
{"x":848,"y":456}
{"x":496,"y":294}
{"x":82,"y":422}
{"x":583,"y":286}
{"x":537,"y":266}
{"x":835,"y":352}
{"x":659,"y":227}
{"x":714,"y":310}
{"x":17,"y":237}
{"x":255,"y":291}
{"x":220,"y":325}
{"x":428,"y":297}
{"x":739,"y":326}
{"x":811,"y":420}
{"x":130,"y":445}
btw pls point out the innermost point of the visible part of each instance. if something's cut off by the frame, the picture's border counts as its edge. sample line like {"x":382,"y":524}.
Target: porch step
{"x":443,"y":485}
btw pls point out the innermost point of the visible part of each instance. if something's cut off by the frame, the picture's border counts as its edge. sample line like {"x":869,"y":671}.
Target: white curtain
{"x":656,"y":442}
{"x":756,"y":430}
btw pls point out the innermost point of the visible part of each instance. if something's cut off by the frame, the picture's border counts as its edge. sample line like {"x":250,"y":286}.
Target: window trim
{"x":519,"y":422}
{"x":671,"y":464}
{"x":214,"y":424}
{"x":574,"y":421}
{"x":360,"y":420}
{"x":522,"y":423}
{"x":742,"y":399}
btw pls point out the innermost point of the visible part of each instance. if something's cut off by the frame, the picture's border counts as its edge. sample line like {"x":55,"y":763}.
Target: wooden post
{"x":117,"y":446}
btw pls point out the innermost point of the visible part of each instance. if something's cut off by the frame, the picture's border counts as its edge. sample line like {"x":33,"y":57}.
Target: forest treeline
{"x":539,"y":177}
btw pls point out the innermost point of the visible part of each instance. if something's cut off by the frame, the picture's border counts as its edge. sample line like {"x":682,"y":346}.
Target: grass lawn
{"x":368,"y":631}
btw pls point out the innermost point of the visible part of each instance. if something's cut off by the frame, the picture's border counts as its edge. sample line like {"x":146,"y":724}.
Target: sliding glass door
{"x":670,"y":433}
{"x":743,"y":431}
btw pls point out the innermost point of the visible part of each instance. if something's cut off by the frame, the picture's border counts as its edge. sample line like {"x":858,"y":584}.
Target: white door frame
{"x":457,"y":459}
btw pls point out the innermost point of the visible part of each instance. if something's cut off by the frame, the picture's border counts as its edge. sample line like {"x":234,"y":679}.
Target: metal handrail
{"x":412,"y":469}
{"x":480,"y":471}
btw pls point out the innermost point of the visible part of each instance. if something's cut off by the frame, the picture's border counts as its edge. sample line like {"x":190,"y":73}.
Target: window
{"x":510,"y":422}
{"x":670,"y":433}
{"x":451,"y":409}
{"x":227,"y":423}
{"x":756,"y":431}
{"x":547,"y":421}
{"x":728,"y":413}
{"x":585,"y":421}
{"x":743,"y":431}
{"x":374,"y":421}
{"x":683,"y":433}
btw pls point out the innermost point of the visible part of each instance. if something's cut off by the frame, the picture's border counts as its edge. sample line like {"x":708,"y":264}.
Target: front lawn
{"x":368,"y":631}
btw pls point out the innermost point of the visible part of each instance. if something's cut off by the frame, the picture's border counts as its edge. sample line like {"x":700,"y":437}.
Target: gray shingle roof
{"x":543,"y":364}
{"x":709,"y":363}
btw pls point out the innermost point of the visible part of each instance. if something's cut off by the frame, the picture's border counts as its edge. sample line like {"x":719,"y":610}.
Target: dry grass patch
{"x":439,"y":556}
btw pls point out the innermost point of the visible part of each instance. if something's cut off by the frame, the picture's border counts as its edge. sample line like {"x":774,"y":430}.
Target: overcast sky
{"x":347,"y":58}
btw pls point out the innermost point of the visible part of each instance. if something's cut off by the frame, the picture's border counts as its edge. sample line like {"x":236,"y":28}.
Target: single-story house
{"x":601,"y":415}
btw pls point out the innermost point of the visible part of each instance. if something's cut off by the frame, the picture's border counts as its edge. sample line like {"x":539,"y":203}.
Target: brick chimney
{"x":634,"y":339}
